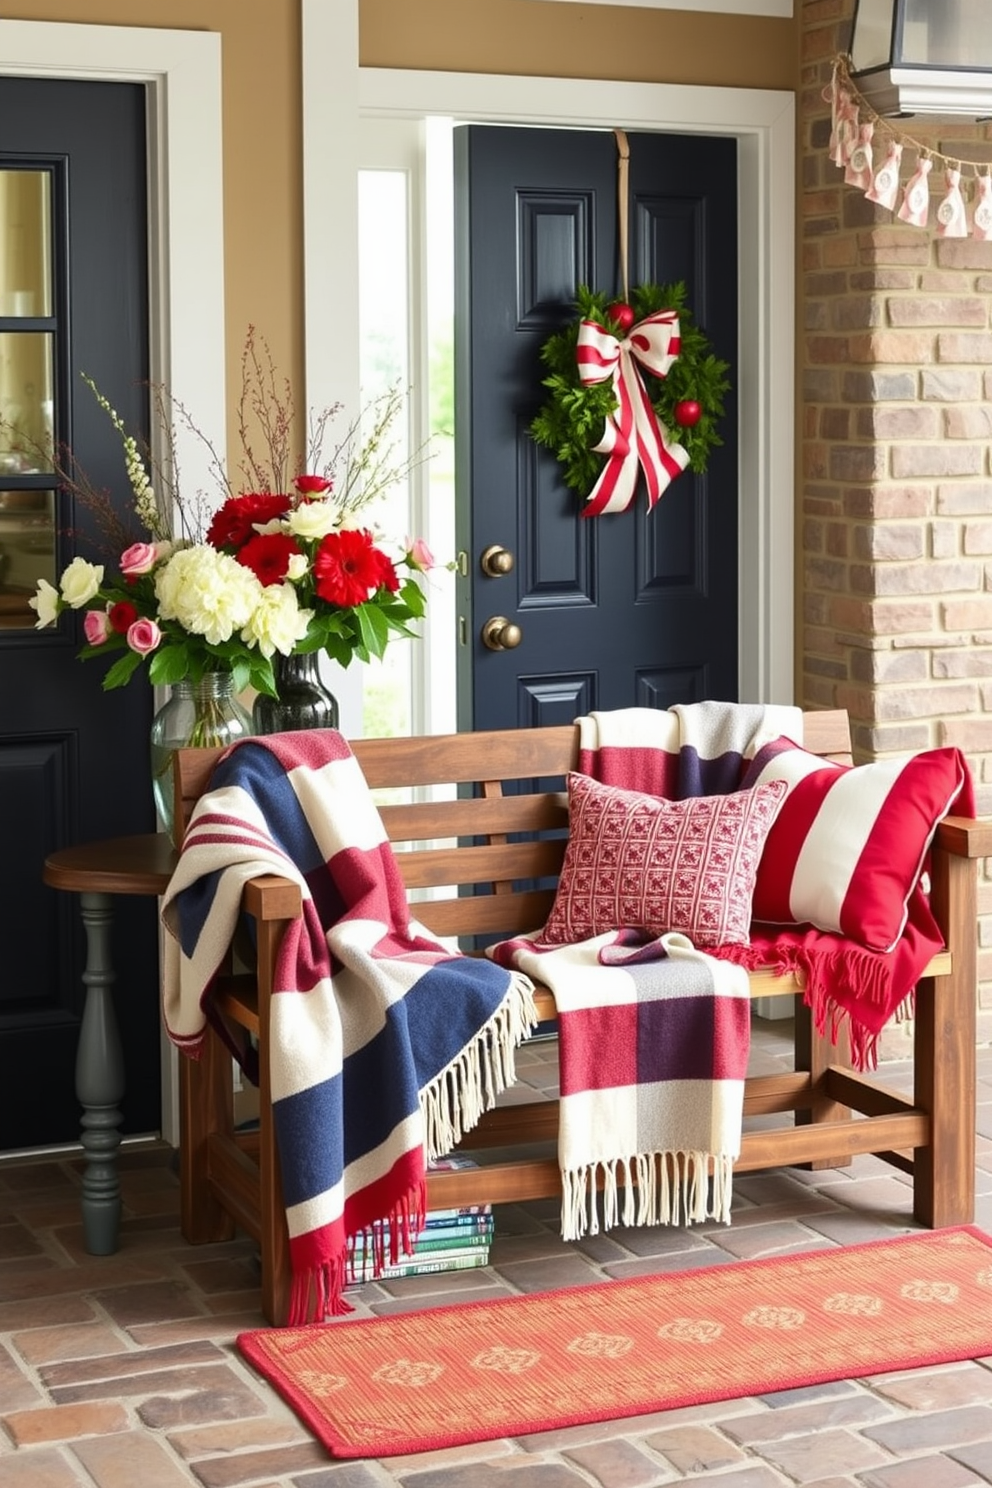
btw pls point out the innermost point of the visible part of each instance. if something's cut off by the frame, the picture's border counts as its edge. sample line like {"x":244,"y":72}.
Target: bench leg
{"x":815,"y":1053}
{"x":944,"y":1064}
{"x":273,"y":1233}
{"x":206,"y":1102}
{"x":272,"y":1229}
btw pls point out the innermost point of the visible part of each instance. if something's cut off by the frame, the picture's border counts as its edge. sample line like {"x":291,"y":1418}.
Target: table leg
{"x":99,"y":1082}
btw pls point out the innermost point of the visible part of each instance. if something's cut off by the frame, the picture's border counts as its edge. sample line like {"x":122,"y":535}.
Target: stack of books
{"x":452,"y":1240}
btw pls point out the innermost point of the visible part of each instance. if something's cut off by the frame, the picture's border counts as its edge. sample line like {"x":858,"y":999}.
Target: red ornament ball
{"x":688,"y":412}
{"x":622,"y":313}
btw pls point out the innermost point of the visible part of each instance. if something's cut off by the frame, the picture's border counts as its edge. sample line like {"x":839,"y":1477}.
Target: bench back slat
{"x":503,"y":832}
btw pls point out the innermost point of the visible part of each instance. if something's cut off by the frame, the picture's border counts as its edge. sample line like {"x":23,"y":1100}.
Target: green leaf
{"x":168,"y":664}
{"x":122,"y":670}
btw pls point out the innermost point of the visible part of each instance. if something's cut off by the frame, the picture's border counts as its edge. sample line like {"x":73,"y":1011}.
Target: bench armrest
{"x":964,"y":837}
{"x":271,"y":897}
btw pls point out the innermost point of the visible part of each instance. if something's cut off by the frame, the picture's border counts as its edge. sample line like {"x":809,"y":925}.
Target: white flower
{"x":313,"y":519}
{"x":207,"y":593}
{"x":277,"y":622}
{"x":80,"y":582}
{"x":298,"y":567}
{"x":45,"y":603}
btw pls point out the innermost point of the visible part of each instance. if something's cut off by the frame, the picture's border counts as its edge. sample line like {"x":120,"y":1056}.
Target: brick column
{"x":895,"y":493}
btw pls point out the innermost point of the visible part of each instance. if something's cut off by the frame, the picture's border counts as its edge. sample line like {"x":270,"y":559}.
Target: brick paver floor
{"x":121,"y":1371}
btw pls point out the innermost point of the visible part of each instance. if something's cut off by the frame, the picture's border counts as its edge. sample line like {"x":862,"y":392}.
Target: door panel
{"x":74,"y":760}
{"x":630,"y":608}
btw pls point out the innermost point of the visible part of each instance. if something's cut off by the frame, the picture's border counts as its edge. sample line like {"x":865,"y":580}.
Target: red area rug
{"x":418,"y":1381}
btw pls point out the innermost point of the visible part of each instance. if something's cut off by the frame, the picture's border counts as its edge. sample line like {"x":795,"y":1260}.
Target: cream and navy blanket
{"x":385,"y":1045}
{"x":653,"y":1037}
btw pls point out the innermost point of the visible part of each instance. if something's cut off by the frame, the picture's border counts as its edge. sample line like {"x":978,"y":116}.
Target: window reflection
{"x":27,"y":552}
{"x":26,"y":402}
{"x":26,"y":243}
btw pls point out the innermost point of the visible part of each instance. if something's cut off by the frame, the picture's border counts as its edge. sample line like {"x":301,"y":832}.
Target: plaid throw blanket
{"x":653,"y":1038}
{"x":653,"y":1045}
{"x":385,"y":1045}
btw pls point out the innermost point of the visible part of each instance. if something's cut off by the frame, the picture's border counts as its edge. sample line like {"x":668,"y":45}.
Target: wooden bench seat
{"x":502,"y":824}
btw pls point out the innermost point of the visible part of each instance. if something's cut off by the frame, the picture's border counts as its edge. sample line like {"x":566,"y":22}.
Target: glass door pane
{"x":27,"y":393}
{"x":25,"y":243}
{"x":384,"y":364}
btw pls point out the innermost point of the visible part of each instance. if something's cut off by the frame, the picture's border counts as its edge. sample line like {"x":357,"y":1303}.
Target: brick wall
{"x":894,"y":561}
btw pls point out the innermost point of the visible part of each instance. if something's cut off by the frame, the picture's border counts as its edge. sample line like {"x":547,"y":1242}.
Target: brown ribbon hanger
{"x":623,"y":170}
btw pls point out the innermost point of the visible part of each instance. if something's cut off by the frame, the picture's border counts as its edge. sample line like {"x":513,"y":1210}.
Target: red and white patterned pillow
{"x":848,"y":846}
{"x":640,"y":862}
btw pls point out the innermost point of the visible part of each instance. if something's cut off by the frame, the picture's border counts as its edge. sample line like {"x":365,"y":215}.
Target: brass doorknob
{"x":496,"y":561}
{"x":500,"y":634}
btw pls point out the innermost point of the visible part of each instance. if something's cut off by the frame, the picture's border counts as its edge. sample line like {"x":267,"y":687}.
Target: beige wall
{"x":537,"y":38}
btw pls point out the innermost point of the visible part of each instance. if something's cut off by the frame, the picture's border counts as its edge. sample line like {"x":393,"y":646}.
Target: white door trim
{"x":763,"y":122}
{"x":182,"y":74}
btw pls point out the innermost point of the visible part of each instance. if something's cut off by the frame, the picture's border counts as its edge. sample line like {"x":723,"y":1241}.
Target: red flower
{"x":268,"y":555}
{"x":387,"y":572}
{"x":312,"y":485}
{"x":234,"y":524}
{"x":348,"y":569}
{"x":122,"y":616}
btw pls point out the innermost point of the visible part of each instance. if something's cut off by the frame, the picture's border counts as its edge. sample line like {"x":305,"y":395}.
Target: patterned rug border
{"x":385,"y":1406}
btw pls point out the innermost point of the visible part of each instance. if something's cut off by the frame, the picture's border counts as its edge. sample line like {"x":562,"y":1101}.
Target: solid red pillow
{"x":848,"y":845}
{"x":640,"y":862}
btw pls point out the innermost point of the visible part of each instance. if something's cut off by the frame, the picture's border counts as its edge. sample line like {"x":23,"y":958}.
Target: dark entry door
{"x":73,"y":759}
{"x":631,"y":608}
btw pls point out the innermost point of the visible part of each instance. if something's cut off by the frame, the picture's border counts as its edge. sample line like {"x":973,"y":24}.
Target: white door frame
{"x":762,"y":121}
{"x":182,"y":74}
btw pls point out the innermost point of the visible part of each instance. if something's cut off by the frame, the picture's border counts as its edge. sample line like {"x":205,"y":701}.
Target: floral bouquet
{"x":288,"y":566}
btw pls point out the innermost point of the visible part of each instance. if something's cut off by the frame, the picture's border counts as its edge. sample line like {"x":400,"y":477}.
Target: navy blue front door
{"x":74,"y":760}
{"x":631,"y":608}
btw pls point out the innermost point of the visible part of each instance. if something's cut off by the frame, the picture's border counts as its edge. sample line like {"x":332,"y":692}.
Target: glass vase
{"x":201,"y":714}
{"x":303,"y":702}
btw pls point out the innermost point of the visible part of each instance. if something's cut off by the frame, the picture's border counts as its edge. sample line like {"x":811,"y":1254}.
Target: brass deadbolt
{"x":500,"y":634}
{"x":496,"y":561}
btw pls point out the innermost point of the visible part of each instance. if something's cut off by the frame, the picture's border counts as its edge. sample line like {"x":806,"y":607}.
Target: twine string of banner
{"x":855,"y":128}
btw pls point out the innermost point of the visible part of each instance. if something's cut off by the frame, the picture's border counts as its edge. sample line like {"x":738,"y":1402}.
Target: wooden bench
{"x":503,"y":824}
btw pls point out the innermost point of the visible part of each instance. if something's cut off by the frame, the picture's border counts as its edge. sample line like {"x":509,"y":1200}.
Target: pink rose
{"x":96,"y":626}
{"x":143,"y":636}
{"x":419,"y":555}
{"x":139,"y":558}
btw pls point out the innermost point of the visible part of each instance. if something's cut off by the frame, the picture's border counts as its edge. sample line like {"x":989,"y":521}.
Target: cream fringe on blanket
{"x":658,"y":1188}
{"x":456,"y":1099}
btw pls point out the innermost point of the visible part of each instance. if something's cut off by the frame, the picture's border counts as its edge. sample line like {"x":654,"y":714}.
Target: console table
{"x":97,"y":871}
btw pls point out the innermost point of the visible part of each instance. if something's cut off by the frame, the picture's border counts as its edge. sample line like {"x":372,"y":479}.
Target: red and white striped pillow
{"x":847,"y":848}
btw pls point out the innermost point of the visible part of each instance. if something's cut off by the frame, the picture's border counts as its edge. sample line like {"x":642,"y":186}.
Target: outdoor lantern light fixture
{"x":929,"y":57}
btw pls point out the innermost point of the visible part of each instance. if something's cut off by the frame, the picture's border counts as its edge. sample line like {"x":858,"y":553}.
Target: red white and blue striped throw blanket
{"x":386,"y":1046}
{"x":654,"y":1035}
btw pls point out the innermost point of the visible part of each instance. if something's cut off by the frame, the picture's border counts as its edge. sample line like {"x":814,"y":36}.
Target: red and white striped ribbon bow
{"x":634,"y":437}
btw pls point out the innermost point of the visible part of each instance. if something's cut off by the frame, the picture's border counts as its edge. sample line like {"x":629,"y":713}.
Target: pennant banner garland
{"x":854,"y":127}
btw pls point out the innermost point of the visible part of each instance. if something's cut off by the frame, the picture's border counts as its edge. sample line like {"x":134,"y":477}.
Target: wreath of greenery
{"x":574,"y":417}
